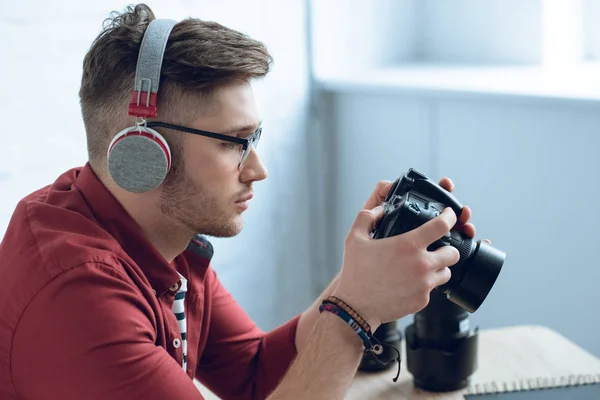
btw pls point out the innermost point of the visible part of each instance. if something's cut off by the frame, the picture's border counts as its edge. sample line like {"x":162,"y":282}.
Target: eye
{"x":233,"y":146}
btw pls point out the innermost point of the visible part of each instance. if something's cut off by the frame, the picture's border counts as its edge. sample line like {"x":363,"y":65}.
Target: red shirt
{"x":85,"y":309}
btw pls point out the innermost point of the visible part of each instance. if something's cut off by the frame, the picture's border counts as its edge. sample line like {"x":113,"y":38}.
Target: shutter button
{"x":176,"y":343}
{"x":174,"y":287}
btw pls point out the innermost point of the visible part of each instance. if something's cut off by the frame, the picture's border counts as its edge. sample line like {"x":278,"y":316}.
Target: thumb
{"x":366,"y":220}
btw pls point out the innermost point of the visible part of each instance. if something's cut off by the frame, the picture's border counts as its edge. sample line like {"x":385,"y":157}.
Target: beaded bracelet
{"x":341,"y":303}
{"x":338,"y":307}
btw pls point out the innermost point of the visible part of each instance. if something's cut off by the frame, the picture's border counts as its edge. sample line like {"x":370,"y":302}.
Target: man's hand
{"x":386,"y":279}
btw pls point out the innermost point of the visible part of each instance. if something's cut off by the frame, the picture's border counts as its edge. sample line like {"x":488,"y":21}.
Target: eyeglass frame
{"x":246,"y":142}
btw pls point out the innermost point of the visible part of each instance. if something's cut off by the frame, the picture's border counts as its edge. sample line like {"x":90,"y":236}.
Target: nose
{"x":253,"y":169}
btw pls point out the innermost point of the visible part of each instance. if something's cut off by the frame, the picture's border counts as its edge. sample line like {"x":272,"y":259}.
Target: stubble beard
{"x":195,"y":208}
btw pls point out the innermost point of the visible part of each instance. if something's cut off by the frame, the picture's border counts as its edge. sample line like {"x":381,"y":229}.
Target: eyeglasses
{"x":245,"y":143}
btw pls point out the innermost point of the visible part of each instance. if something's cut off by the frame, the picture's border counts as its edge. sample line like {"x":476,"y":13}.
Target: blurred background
{"x":503,"y":96}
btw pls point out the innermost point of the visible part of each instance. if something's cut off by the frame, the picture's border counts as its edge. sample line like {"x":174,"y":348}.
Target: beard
{"x":196,"y":208}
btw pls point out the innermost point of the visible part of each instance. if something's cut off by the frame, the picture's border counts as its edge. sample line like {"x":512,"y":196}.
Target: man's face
{"x":206,"y":193}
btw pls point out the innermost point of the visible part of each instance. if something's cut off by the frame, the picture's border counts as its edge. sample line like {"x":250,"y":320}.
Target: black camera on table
{"x":441,"y":347}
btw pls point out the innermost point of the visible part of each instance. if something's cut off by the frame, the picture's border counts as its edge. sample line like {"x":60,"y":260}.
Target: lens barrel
{"x":480,"y":273}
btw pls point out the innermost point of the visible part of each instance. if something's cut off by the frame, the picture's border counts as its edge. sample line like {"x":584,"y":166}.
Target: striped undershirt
{"x":179,"y":311}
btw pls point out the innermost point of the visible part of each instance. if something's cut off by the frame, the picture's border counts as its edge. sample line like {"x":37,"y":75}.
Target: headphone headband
{"x":149,"y":63}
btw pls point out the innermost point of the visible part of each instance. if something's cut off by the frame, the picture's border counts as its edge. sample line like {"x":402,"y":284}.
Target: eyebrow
{"x":240,"y":129}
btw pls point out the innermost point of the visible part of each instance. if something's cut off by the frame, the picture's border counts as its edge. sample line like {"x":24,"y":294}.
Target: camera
{"x":441,"y":347}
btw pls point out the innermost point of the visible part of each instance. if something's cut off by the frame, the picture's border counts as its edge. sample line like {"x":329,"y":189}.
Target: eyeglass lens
{"x":253,"y":142}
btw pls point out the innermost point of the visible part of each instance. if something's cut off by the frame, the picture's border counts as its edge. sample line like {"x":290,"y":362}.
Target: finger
{"x":434,"y":229}
{"x":445,"y":256}
{"x":366,"y":220}
{"x":442,"y":276}
{"x":487,"y":241}
{"x":465,"y":215}
{"x":468,"y":229}
{"x":447,"y":184}
{"x":379,"y":194}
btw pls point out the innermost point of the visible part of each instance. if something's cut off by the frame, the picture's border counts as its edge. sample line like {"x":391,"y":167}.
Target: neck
{"x":168,"y":237}
{"x":166,"y":234}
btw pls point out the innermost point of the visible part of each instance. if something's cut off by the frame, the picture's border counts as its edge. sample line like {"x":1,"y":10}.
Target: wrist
{"x":341,"y":329}
{"x":360,"y":308}
{"x":362,"y":329}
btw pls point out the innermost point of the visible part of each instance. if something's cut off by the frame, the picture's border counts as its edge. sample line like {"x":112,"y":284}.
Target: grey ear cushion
{"x":137,"y":164}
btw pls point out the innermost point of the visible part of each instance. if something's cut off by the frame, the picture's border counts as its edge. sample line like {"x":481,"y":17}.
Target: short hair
{"x":200,"y":57}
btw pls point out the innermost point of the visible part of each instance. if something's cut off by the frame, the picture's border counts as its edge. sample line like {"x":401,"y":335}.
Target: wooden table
{"x":518,"y":353}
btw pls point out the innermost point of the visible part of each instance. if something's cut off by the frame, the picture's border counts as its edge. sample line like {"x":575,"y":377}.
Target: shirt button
{"x":176,"y":343}
{"x":174,"y":287}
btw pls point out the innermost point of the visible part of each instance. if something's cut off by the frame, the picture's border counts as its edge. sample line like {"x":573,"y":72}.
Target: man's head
{"x":205,"y":84}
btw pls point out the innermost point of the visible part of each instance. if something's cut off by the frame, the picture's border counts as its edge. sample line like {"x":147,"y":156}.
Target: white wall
{"x":361,"y":34}
{"x":591,"y":29}
{"x":357,"y":34}
{"x":267,"y":267}
{"x":480,"y":32}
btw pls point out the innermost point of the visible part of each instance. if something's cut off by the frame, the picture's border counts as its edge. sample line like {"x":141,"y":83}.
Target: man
{"x":107,"y":291}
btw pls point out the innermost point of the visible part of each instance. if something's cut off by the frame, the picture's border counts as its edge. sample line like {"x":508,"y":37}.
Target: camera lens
{"x":441,"y":347}
{"x":441,"y":322}
{"x":476,"y":275}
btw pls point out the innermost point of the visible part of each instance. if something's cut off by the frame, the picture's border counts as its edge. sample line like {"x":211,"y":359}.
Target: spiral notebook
{"x":574,"y":387}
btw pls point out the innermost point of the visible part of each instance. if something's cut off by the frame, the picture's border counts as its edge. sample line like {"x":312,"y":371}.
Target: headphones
{"x":138,"y":157}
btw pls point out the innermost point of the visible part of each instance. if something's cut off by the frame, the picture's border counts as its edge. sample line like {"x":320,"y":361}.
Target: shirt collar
{"x":111,"y":215}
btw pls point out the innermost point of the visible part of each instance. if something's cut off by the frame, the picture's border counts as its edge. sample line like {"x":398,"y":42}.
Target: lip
{"x":245,"y":198}
{"x":242,"y":205}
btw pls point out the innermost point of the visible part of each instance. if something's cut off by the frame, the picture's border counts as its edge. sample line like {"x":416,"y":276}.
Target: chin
{"x":230,"y":229}
{"x":236,"y":227}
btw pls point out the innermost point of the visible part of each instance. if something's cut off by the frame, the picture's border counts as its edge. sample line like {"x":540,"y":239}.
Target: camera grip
{"x":431,"y":189}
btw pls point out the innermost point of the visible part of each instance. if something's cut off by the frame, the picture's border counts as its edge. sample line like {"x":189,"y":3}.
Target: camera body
{"x":414,"y":200}
{"x":441,"y":347}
